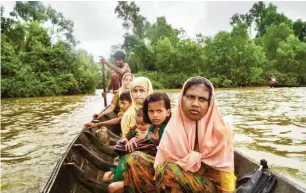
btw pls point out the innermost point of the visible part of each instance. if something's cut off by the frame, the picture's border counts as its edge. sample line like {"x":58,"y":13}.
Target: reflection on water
{"x":268,"y":123}
{"x":35,"y":132}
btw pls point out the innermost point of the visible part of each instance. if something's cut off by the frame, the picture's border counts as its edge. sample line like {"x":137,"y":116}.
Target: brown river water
{"x":268,"y":123}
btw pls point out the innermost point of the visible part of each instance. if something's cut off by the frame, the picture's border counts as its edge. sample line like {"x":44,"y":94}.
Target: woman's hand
{"x":130,"y":144}
{"x":91,"y":125}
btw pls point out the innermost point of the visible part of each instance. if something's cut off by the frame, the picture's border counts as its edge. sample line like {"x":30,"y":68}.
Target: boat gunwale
{"x":54,"y":175}
{"x":277,"y":175}
{"x":49,"y":184}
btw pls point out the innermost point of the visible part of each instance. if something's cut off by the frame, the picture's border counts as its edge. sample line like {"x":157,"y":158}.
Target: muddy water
{"x":268,"y":123}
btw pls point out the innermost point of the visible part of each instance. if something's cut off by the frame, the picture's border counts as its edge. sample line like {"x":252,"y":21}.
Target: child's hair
{"x":139,"y":112}
{"x":125,"y":96}
{"x":119,"y":55}
{"x":155,"y":97}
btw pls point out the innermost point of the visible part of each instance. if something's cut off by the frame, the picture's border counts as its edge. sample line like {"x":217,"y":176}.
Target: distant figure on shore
{"x":271,"y":79}
{"x":117,"y":71}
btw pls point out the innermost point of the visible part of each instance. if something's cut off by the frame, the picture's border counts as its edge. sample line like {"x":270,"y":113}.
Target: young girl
{"x":138,"y":131}
{"x":157,"y":112}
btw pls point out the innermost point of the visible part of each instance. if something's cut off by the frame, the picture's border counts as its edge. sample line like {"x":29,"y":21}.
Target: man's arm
{"x":121,"y":71}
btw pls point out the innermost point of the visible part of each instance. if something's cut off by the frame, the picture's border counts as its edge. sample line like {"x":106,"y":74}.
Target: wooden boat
{"x":284,"y":85}
{"x":81,"y":168}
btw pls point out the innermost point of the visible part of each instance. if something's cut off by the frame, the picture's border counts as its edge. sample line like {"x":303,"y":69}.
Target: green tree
{"x":38,"y":12}
{"x":166,"y":56}
{"x":271,"y":39}
{"x":299,"y":28}
{"x":261,"y":16}
{"x":234,"y":59}
{"x":290,"y":59}
{"x":129,"y":12}
{"x":161,"y":29}
{"x":31,"y":66}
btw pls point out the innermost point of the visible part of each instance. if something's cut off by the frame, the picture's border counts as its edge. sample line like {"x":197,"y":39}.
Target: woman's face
{"x":139,"y":94}
{"x":195,"y":102}
{"x":127,"y":81}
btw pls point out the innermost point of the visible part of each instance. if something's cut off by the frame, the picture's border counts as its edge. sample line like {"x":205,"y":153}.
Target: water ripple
{"x":35,"y":132}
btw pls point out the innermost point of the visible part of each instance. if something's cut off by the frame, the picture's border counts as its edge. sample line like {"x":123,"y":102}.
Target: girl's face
{"x":157,"y":112}
{"x":195,"y":102}
{"x":139,"y":94}
{"x":127,"y":81}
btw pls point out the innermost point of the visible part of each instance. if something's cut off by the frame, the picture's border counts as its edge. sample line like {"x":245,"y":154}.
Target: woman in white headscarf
{"x":140,"y":88}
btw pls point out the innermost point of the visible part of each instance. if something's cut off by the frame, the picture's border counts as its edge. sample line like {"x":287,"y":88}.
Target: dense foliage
{"x":37,"y":60}
{"x":167,"y":57}
{"x":41,"y":61}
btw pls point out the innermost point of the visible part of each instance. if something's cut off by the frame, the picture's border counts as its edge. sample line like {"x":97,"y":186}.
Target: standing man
{"x":117,"y":71}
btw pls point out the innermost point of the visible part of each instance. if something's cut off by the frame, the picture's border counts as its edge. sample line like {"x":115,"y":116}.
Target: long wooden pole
{"x":103,"y":84}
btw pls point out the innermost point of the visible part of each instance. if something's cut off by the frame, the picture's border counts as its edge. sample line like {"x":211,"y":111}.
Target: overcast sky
{"x":97,"y":27}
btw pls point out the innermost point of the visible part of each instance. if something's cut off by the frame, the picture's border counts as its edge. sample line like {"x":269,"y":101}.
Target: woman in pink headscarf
{"x":195,"y":153}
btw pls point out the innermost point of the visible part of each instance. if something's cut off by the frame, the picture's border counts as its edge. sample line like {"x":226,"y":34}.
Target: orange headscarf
{"x":214,"y":137}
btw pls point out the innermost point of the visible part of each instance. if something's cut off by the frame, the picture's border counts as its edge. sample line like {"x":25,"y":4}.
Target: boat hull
{"x":83,"y":165}
{"x":283,"y":85}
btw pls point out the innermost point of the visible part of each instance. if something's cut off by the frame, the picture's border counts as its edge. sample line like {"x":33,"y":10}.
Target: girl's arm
{"x":111,"y":107}
{"x":110,"y":122}
{"x":155,"y":136}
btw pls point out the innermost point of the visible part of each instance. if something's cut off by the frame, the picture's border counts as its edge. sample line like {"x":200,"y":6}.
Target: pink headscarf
{"x":214,"y":137}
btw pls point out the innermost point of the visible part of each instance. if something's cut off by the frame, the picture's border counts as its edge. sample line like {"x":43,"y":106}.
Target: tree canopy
{"x":229,"y":59}
{"x":40,"y":61}
{"x":34,"y":65}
